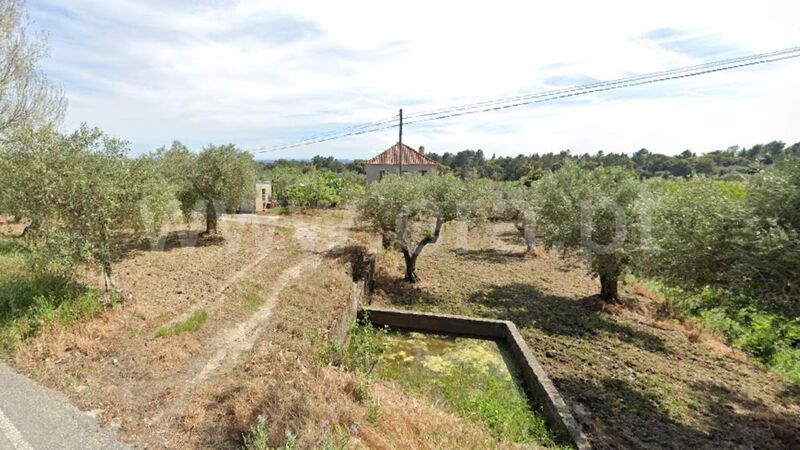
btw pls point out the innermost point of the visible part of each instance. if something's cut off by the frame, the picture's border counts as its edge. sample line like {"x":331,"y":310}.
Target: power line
{"x":662,"y":73}
{"x":602,"y":89}
{"x":540,"y":97}
{"x":334,"y":132}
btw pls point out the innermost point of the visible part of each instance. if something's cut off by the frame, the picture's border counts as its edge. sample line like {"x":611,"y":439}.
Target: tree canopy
{"x":84,"y":193}
{"x":27,"y":97}
{"x":412,"y":210}
{"x":219,"y":179}
{"x":596,"y":212}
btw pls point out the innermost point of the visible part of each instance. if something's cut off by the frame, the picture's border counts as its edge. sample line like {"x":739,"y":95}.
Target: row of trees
{"x":725,"y":252}
{"x":733,"y":162}
{"x":690,"y":233}
{"x":84,"y":197}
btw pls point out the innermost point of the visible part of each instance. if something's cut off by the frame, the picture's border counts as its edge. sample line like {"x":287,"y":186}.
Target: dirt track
{"x":116,"y":366}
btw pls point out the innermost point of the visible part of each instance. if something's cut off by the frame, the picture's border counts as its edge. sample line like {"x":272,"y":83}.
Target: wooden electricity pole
{"x":400,"y":143}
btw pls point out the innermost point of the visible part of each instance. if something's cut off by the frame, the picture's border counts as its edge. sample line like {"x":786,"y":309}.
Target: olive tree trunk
{"x":609,"y":272}
{"x":108,"y":276}
{"x":410,"y":257}
{"x":211,"y":218}
{"x":528,"y":236}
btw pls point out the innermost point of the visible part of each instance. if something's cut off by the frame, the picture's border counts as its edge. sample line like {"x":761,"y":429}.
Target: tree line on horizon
{"x":733,"y":163}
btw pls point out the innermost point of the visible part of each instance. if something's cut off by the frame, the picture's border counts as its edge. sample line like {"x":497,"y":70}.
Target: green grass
{"x":252,"y":302}
{"x":467,"y":389}
{"x":488,"y":399}
{"x":31,"y":301}
{"x":190,"y":325}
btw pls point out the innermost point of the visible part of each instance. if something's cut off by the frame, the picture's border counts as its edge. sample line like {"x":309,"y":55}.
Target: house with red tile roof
{"x":400,"y":156}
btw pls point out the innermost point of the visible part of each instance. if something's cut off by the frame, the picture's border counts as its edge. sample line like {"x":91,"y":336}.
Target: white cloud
{"x":263,"y":73}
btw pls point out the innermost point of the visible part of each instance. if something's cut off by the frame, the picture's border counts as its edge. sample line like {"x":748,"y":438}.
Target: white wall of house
{"x":374,"y":170}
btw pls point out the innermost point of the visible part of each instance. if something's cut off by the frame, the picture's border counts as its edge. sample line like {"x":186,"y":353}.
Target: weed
{"x":365,"y":349}
{"x":330,"y":353}
{"x":190,"y":325}
{"x":252,"y":302}
{"x":31,"y":301}
{"x":258,"y":438}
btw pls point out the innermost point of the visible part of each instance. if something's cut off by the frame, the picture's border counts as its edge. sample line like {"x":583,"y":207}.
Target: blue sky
{"x":265,"y":73}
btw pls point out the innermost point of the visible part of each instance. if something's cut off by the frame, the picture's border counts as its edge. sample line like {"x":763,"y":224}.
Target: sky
{"x":264,"y":73}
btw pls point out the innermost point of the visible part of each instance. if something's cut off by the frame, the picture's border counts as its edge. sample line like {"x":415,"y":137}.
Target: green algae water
{"x":474,"y":378}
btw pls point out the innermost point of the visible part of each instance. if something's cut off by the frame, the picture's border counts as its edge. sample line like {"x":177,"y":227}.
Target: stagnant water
{"x":474,"y":378}
{"x":437,"y":354}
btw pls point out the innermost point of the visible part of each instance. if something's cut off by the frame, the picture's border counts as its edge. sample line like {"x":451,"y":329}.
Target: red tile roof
{"x":391,"y":156}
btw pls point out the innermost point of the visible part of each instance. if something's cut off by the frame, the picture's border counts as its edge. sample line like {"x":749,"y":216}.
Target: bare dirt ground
{"x":272,"y":291}
{"x":634,"y":379}
{"x":117,"y":366}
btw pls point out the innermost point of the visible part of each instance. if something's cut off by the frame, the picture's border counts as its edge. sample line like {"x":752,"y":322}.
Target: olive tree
{"x":517,"y":207}
{"x":412,"y":210}
{"x":27,"y":98}
{"x":216,"y":180}
{"x":595,"y":211}
{"x":28,"y":161}
{"x":500,"y":201}
{"x":87,"y":195}
{"x":729,"y":235}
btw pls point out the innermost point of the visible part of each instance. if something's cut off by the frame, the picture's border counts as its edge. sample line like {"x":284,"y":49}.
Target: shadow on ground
{"x":617,"y":414}
{"x":489,"y":255}
{"x":527,"y":306}
{"x":401,"y":293}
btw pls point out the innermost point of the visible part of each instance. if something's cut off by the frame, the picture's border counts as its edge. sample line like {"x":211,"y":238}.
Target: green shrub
{"x":31,"y":300}
{"x":313,"y":188}
{"x":772,"y":338}
{"x":365,"y":349}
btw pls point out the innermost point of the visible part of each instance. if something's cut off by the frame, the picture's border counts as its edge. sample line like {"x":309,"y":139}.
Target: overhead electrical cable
{"x":540,"y":97}
{"x":633,"y":78}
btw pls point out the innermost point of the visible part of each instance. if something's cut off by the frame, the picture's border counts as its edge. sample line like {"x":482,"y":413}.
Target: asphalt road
{"x":35,"y":417}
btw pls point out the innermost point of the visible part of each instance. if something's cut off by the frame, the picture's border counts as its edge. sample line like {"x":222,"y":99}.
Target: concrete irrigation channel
{"x":537,"y":384}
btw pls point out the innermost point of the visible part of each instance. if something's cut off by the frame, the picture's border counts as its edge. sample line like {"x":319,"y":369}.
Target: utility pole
{"x":400,"y":143}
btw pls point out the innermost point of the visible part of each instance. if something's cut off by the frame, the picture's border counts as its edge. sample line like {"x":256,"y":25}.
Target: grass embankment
{"x":632,"y":378}
{"x":30,"y":301}
{"x":773,"y":337}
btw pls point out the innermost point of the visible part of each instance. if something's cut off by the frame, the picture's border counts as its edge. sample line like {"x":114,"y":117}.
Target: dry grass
{"x":114,"y":363}
{"x":287,"y":382}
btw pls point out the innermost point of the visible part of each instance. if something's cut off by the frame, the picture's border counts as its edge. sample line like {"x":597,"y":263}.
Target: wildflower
{"x":354,"y":430}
